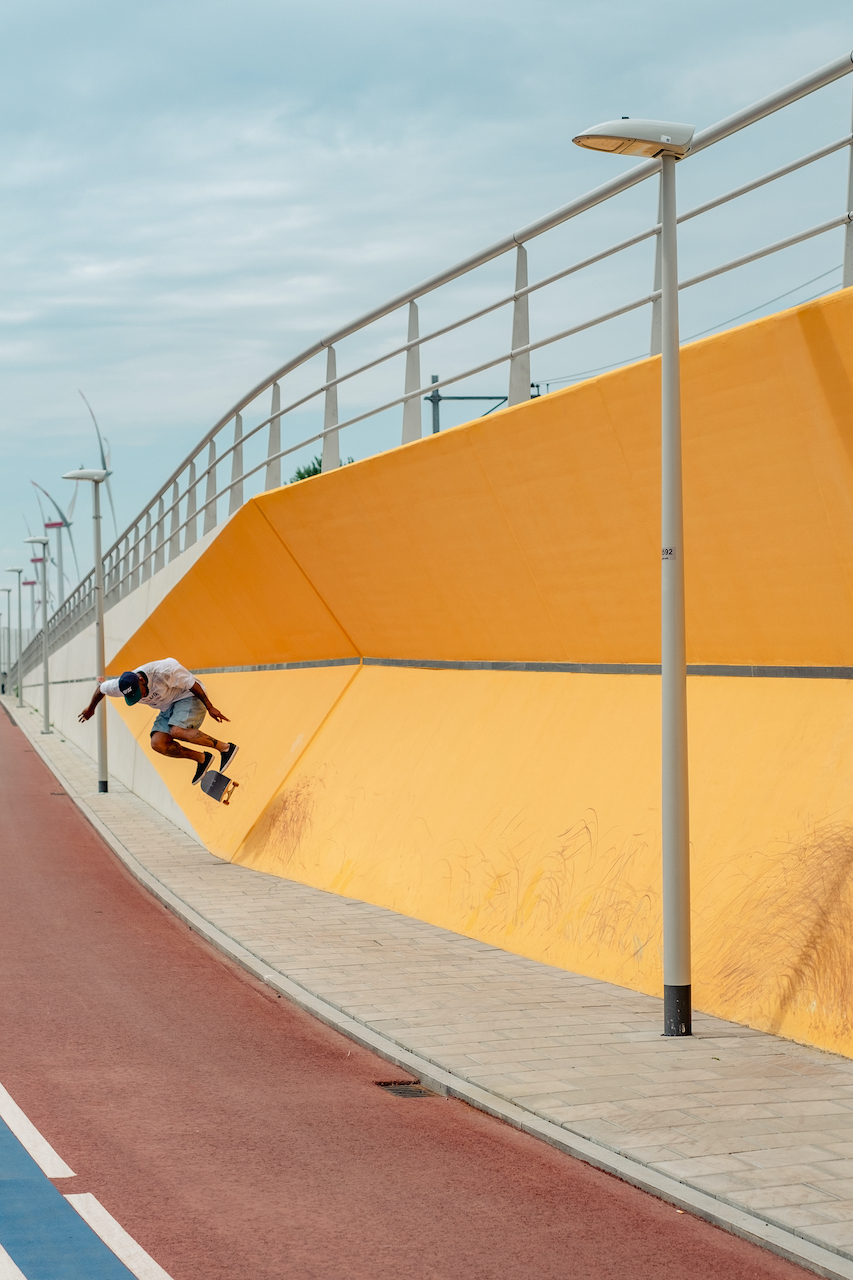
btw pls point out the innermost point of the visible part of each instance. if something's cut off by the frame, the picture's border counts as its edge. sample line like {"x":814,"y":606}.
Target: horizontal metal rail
{"x":782,"y":172}
{"x":766,"y":251}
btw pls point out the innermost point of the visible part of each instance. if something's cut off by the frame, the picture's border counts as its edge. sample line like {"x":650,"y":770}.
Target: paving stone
{"x":780,"y":1156}
{"x":839,"y":1236}
{"x":771,"y":1197}
{"x":838,"y":1210}
{"x":697,"y":1166}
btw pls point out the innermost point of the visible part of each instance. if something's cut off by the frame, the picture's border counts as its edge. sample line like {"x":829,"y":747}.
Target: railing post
{"x":331,"y":445}
{"x":656,"y":337}
{"x":133,"y":579}
{"x":146,"y":549}
{"x":235,"y":501}
{"x":847,"y":274}
{"x":210,"y":493}
{"x":174,"y":536}
{"x":412,"y":408}
{"x":519,"y":366}
{"x":160,"y":538}
{"x":273,"y":480}
{"x":110,"y":567}
{"x":190,"y":530}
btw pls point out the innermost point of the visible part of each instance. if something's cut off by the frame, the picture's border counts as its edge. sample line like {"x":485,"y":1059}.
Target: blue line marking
{"x":42,"y":1234}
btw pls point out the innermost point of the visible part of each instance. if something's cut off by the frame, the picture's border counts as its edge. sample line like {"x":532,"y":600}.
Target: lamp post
{"x":671,"y":142}
{"x":42,"y":541}
{"x":20,"y":640}
{"x":8,"y":663}
{"x":97,"y":477}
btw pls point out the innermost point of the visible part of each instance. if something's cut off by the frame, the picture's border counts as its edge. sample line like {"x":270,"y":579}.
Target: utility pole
{"x":435,"y":399}
{"x":7,"y":665}
{"x":97,"y":478}
{"x":20,"y":640}
{"x":44,"y":543}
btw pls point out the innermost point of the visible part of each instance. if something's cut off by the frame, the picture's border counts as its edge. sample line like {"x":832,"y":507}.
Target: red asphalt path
{"x":236,"y":1138}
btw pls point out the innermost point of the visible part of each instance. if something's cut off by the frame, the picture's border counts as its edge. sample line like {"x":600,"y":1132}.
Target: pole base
{"x":677,"y":1011}
{"x":103,"y":786}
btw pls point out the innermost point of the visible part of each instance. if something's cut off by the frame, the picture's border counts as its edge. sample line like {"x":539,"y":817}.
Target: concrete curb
{"x":787,"y":1244}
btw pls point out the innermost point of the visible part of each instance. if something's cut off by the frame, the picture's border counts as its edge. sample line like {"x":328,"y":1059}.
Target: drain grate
{"x":406,"y":1089}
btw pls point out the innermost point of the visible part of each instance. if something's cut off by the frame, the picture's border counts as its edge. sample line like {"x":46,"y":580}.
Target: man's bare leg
{"x":163,"y":744}
{"x":198,"y":738}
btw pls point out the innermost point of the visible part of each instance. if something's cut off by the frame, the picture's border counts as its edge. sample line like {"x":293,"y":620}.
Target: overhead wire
{"x":586,"y":373}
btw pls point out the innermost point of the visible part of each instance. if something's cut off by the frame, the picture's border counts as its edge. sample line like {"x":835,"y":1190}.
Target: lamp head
{"x":649,"y":138}
{"x":14,"y":571}
{"x":87,"y":473}
{"x":39,"y":540}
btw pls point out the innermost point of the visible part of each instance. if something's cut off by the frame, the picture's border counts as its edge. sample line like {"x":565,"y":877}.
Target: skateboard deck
{"x":218,"y":786}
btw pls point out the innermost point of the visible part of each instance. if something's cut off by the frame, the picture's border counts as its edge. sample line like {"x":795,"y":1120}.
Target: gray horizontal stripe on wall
{"x":278,"y":666}
{"x":78,"y":680}
{"x":571,"y":668}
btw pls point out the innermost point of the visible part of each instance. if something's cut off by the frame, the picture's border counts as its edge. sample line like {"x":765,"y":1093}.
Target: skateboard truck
{"x":218,"y":786}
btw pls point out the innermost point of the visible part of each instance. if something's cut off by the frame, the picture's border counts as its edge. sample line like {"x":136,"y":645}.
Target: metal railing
{"x":197,"y":496}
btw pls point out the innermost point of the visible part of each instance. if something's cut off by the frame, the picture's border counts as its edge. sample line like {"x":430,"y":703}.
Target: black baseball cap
{"x":128,"y":683}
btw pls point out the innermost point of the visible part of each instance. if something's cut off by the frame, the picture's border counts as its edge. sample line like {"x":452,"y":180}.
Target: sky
{"x":192,"y":193}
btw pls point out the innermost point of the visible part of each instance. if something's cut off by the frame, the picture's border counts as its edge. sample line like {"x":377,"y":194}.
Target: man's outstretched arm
{"x":211,"y":709}
{"x":88,"y":712}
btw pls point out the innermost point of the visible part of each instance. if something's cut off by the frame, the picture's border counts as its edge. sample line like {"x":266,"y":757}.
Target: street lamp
{"x":7,"y":667}
{"x":20,"y":644}
{"x":43,"y":542}
{"x":97,"y":477}
{"x":671,"y":142}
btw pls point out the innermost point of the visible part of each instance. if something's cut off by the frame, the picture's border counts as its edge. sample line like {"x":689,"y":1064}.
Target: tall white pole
{"x":674,"y":810}
{"x":847,"y":272}
{"x":20,"y":644}
{"x":7,"y":665}
{"x":18,"y":672}
{"x":101,"y":712}
{"x":44,"y":642}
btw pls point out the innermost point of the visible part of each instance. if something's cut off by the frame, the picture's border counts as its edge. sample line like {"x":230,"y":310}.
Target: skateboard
{"x":218,"y":786}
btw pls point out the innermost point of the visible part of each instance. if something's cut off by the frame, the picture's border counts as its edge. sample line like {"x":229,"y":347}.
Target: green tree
{"x":312,"y":468}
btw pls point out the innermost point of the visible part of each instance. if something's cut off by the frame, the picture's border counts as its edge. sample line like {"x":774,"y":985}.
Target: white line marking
{"x":30,"y":1138}
{"x":8,"y":1270}
{"x":116,"y":1238}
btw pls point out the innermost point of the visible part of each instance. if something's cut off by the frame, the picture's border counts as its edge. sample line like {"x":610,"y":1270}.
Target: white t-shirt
{"x":167,"y":680}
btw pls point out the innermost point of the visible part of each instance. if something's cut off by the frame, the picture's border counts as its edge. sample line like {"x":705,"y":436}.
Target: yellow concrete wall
{"x":522,"y":807}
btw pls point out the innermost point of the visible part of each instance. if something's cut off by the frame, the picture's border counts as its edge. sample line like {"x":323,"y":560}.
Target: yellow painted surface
{"x":522,"y":808}
{"x":244,"y":602}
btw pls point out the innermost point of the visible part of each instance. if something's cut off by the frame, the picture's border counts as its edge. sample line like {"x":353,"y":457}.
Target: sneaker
{"x":202,"y":767}
{"x":228,"y":756}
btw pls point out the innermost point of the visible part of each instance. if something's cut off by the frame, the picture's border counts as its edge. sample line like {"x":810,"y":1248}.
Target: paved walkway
{"x":757,"y":1126}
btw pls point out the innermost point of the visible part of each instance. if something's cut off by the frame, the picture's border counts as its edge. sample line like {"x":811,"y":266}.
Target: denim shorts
{"x":186,"y":713}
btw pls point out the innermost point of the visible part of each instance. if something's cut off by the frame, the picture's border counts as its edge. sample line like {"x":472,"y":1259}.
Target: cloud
{"x":192,"y":193}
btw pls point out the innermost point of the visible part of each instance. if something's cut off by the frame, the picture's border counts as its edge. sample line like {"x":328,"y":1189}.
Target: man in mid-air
{"x":182,"y":703}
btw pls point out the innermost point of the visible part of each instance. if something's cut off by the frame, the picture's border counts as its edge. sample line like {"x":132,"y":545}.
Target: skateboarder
{"x":181,"y":701}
